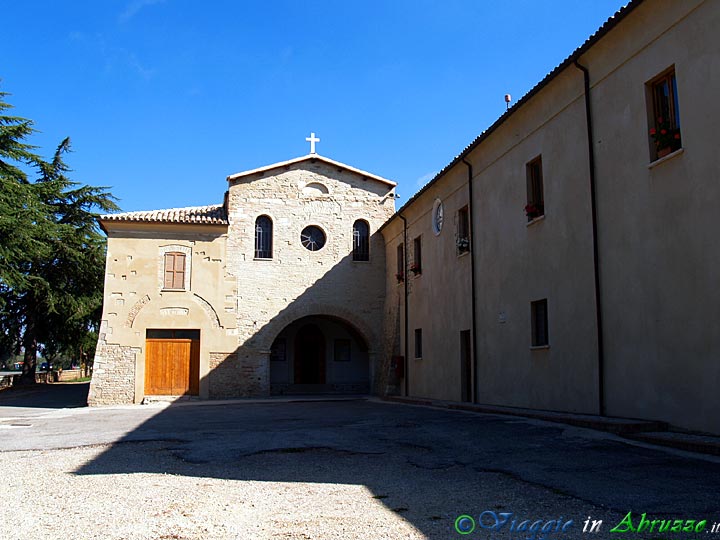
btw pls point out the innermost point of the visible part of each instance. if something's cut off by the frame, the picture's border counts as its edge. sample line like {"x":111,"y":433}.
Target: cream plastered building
{"x":279,"y":289}
{"x":563,"y":261}
{"x":587,"y":280}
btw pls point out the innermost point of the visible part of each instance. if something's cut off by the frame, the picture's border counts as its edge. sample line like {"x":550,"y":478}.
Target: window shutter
{"x":169,"y":266}
{"x":174,"y":271}
{"x":179,"y":274}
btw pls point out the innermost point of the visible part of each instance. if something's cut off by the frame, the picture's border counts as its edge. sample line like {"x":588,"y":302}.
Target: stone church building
{"x":563,"y":261}
{"x":249,"y":297}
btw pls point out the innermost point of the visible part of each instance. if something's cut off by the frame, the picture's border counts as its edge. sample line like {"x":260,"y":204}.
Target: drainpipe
{"x":472,"y":281}
{"x":406,"y":367}
{"x":596,"y":263}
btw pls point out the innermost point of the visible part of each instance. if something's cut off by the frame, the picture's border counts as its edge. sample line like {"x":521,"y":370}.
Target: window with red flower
{"x":535,"y":206}
{"x":665,"y":124}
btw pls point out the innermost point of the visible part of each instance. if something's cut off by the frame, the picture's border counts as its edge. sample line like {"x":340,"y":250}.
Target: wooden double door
{"x":172,"y":362}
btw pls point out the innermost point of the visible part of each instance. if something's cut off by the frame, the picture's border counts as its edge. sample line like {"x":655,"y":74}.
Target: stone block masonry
{"x":232,"y":375}
{"x":240,"y":303}
{"x":295,"y":280}
{"x":113,"y":375}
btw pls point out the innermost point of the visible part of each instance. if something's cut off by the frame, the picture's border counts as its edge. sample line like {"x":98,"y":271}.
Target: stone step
{"x":167,"y":399}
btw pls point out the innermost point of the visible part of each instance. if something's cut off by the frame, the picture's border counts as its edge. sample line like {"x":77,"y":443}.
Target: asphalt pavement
{"x":458,"y":461}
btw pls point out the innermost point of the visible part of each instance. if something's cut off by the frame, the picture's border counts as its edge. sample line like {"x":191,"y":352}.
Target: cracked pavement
{"x":426,"y":466}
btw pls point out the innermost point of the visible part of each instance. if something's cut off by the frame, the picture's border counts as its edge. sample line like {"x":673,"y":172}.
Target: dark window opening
{"x":539,"y":316}
{"x":312,"y":238}
{"x":169,"y":333}
{"x":263,"y":237}
{"x":463,"y":230}
{"x":535,"y":198}
{"x":665,"y":124}
{"x":416,"y":266}
{"x":400,"y":273}
{"x":342,"y":350}
{"x":418,"y":343}
{"x":361,"y":241}
{"x":278,"y":350}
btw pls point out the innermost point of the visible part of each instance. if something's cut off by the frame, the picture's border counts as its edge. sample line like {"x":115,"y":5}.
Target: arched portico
{"x":264,"y":339}
{"x":320,"y":354}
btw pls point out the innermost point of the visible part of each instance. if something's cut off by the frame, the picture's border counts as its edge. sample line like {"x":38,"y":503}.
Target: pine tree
{"x":20,"y":208}
{"x":52,"y":253}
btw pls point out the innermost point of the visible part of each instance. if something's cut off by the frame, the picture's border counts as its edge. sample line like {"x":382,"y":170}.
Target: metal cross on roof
{"x":312,"y":139}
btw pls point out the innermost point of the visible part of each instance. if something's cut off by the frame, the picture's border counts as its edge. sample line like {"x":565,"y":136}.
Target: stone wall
{"x":136,"y":301}
{"x":297,"y":282}
{"x":233,"y":375}
{"x":69,"y":375}
{"x":113,"y":379}
{"x":240,"y":303}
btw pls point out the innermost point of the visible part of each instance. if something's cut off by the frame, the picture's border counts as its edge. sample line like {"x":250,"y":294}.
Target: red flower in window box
{"x":400,"y":277}
{"x":415,"y":268}
{"x":665,"y":137}
{"x":533,"y":210}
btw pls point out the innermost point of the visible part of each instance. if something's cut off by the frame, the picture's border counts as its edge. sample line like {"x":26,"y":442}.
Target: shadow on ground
{"x":46,"y":396}
{"x":427,"y":465}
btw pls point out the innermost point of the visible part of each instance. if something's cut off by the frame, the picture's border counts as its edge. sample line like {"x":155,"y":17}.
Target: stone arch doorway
{"x":319,"y":354}
{"x":309,"y":365}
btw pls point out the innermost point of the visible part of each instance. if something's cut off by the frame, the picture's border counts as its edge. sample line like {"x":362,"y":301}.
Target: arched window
{"x":263,"y":237}
{"x":361,"y":241}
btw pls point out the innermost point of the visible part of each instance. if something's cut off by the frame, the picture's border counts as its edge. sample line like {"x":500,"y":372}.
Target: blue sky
{"x":164,"y":98}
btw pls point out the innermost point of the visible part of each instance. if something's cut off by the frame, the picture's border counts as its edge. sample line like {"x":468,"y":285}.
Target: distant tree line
{"x":52,"y":253}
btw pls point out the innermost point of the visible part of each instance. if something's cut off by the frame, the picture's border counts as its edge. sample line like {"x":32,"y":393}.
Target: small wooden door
{"x":172,"y":367}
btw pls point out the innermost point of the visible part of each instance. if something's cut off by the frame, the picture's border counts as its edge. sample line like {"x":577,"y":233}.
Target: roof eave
{"x":309,"y":157}
{"x":108,"y":223}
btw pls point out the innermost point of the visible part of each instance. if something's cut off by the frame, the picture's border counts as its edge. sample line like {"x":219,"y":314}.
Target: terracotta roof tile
{"x":213,"y":214}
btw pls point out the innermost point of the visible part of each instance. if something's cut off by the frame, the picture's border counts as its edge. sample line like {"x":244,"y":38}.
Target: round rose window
{"x":313,"y":238}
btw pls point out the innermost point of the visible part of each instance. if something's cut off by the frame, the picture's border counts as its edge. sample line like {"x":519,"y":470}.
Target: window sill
{"x":671,"y":155}
{"x":172,"y":290}
{"x":533,"y":221}
{"x":463,"y":253}
{"x":539,"y":347}
{"x":262,"y":258}
{"x":361,"y":262}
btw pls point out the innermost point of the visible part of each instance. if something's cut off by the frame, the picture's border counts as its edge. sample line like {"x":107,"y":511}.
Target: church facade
{"x":563,"y":261}
{"x":249,"y":297}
